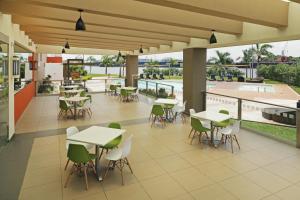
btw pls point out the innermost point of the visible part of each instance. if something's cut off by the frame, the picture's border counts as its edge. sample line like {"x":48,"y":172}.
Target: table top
{"x":71,"y":86}
{"x":97,"y":135}
{"x":128,"y":88}
{"x":115,"y":84}
{"x":211,"y":116}
{"x":75,"y":99}
{"x":73,"y":91}
{"x":166,"y":101}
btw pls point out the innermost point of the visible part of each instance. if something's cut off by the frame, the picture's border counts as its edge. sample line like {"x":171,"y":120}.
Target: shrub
{"x":289,"y":74}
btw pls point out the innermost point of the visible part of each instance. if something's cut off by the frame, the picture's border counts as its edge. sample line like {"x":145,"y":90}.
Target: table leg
{"x":211,"y":133}
{"x":97,"y":164}
{"x":75,"y":110}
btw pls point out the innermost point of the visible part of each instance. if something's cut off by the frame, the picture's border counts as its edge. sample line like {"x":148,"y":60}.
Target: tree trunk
{"x":120,"y":67}
{"x":106,"y":69}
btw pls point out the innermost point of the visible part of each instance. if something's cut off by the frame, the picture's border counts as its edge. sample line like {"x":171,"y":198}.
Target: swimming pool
{"x":261,"y":88}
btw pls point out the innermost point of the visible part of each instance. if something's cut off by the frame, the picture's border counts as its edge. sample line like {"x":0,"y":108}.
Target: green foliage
{"x":222,"y":58}
{"x":80,"y":69}
{"x":164,"y":71}
{"x":107,"y":61}
{"x":162,"y":93}
{"x":46,"y":86}
{"x":223,"y":71}
{"x":289,"y":74}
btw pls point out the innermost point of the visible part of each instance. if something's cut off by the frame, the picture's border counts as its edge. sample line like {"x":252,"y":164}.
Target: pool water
{"x":261,"y":88}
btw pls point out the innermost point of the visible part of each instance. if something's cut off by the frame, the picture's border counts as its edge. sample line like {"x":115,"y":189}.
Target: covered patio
{"x":166,"y":163}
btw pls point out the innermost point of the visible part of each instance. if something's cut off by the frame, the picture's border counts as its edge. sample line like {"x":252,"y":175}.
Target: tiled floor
{"x":165,"y":165}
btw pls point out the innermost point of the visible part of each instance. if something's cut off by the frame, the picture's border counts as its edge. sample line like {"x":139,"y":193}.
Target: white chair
{"x":135,"y":95}
{"x":72,"y":131}
{"x":179,"y":110}
{"x":118,"y":157}
{"x":231,"y":133}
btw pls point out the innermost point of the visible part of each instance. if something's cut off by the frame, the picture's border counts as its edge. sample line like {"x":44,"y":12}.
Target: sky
{"x":290,"y":48}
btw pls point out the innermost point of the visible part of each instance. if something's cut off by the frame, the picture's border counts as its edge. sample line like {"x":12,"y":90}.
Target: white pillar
{"x":131,"y":69}
{"x":194,"y":78}
{"x":11,"y":93}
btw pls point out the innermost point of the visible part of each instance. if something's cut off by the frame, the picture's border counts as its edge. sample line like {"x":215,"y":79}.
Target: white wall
{"x":55,"y":70}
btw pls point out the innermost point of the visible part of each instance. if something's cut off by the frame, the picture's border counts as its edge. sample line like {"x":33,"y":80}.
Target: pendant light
{"x":67,"y":46}
{"x":213,"y":38}
{"x":119,"y":55}
{"x":80,"y":26}
{"x":141,"y":49}
{"x":63,"y":50}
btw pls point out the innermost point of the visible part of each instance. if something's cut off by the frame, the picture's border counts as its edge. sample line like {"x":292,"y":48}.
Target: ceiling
{"x":129,"y":24}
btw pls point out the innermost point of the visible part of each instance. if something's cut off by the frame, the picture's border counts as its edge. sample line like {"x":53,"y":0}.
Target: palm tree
{"x":172,"y":62}
{"x":107,"y":61}
{"x":121,"y":62}
{"x":262,"y":51}
{"x":222,"y":58}
{"x":90,"y":60}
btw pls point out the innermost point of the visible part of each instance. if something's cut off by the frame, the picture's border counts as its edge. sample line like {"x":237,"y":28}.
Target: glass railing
{"x":155,"y":89}
{"x":272,"y":120}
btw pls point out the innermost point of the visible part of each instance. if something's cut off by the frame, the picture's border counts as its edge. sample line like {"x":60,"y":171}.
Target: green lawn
{"x":280,"y":132}
{"x":89,"y":76}
{"x":295,"y":88}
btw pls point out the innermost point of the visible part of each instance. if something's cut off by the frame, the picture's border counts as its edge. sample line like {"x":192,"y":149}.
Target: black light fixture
{"x":63,"y":50}
{"x":141,"y":49}
{"x":213,"y":38}
{"x":119,"y":55}
{"x":67,"y":46}
{"x":80,"y":26}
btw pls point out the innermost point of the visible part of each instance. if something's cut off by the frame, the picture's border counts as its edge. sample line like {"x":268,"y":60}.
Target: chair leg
{"x":85,"y":177}
{"x":68,"y":178}
{"x":231,"y":141}
{"x":108,"y":166}
{"x":127,"y":162}
{"x":153,"y":121}
{"x":191,"y":132}
{"x":101,"y":153}
{"x":67,"y":164}
{"x":193,"y":137}
{"x":237,"y":141}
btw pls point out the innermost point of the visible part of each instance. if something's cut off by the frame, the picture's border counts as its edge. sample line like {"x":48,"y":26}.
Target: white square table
{"x":212,"y":117}
{"x":166,"y":101}
{"x":98,"y":136}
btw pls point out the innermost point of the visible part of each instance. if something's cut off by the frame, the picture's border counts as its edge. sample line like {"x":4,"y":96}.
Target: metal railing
{"x":156,"y":89}
{"x":253,"y":111}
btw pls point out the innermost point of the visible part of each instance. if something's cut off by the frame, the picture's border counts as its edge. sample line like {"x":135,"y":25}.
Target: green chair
{"x":65,"y":108}
{"x":83,"y":94}
{"x":157,"y":113}
{"x":82,"y":160}
{"x":223,"y":124}
{"x":115,"y":142}
{"x":198,"y":129}
{"x":113,"y":89}
{"x":124,"y":94}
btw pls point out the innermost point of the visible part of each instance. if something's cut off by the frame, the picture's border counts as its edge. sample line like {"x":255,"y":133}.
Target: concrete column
{"x":194,"y":78}
{"x":131,"y":69}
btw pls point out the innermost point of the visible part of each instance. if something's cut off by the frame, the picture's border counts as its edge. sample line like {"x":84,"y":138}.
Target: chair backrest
{"x":157,"y":110}
{"x":71,"y":131}
{"x":236,"y":127}
{"x":226,"y":112}
{"x":123,"y":92}
{"x":63,"y":104}
{"x":183,"y":105}
{"x":196,"y":124}
{"x":126,"y":148}
{"x":192,"y":111}
{"x":83,"y":94}
{"x":114,"y":125}
{"x":78,"y":153}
